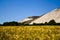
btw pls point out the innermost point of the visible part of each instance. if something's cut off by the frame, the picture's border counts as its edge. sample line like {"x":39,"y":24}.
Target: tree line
{"x":51,"y":22}
{"x":13,"y":23}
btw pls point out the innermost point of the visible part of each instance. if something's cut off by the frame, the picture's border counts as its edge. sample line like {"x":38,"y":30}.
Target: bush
{"x":52,"y":22}
{"x":13,"y":23}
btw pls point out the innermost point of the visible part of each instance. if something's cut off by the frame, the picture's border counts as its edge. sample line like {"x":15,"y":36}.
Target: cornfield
{"x":29,"y":32}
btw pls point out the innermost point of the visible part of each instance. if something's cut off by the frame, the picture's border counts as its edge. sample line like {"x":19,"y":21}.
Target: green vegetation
{"x":51,"y":22}
{"x":13,"y":23}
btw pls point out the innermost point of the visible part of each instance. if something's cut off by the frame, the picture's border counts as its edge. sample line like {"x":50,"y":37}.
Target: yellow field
{"x":29,"y":32}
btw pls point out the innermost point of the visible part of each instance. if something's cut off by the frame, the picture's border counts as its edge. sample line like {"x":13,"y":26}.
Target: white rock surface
{"x":31,"y":18}
{"x":26,"y":19}
{"x":53,"y":15}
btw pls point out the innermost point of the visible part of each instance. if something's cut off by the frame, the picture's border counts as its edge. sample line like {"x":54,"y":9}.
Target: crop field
{"x":29,"y":32}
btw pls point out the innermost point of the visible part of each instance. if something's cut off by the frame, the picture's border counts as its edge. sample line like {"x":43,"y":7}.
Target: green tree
{"x":45,"y":23}
{"x":13,"y":23}
{"x":52,"y":22}
{"x":0,"y":24}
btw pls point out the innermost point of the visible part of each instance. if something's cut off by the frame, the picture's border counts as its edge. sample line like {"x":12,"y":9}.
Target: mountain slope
{"x":53,"y":15}
{"x":29,"y":19}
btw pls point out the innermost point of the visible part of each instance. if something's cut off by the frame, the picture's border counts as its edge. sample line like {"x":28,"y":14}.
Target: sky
{"x":16,"y":10}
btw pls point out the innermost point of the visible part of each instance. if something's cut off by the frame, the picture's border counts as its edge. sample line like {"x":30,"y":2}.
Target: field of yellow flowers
{"x":29,"y":32}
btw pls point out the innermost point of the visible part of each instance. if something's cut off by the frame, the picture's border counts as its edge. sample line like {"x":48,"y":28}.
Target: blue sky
{"x":16,"y":10}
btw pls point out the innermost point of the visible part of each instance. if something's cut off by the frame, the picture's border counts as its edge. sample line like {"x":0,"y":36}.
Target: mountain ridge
{"x":52,"y":15}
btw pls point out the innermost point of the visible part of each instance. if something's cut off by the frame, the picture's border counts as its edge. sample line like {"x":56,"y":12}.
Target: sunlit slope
{"x":52,"y":15}
{"x":30,"y":33}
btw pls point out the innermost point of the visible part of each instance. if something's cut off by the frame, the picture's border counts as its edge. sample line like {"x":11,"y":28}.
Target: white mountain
{"x":29,"y":19}
{"x":52,"y":15}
